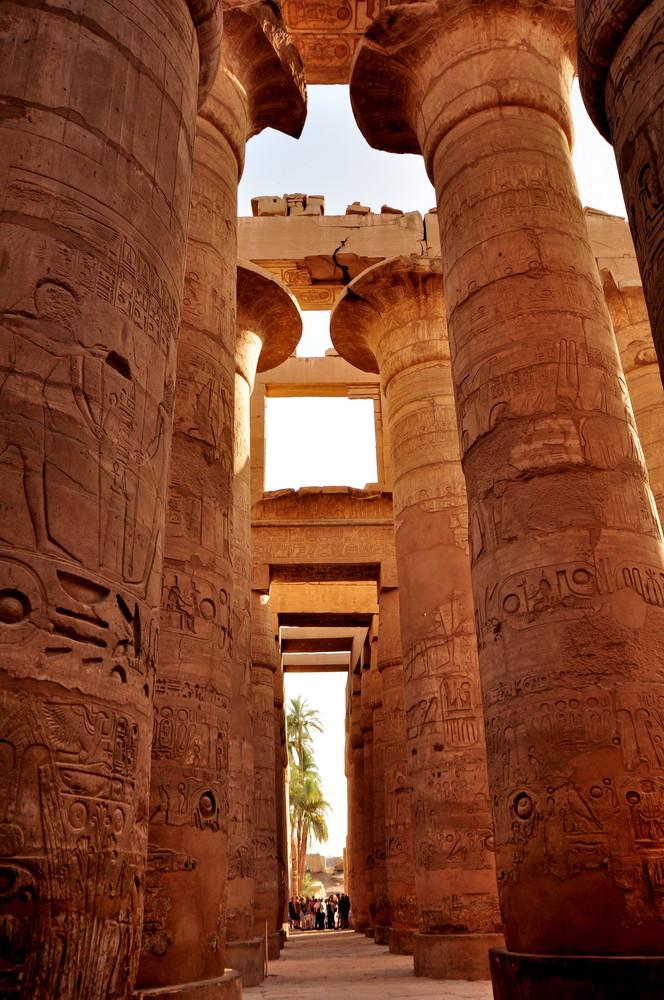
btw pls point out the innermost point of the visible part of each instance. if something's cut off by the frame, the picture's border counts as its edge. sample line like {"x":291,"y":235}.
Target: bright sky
{"x":332,"y":159}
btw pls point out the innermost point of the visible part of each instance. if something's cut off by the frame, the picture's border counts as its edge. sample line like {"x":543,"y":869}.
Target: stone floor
{"x":343,"y":965}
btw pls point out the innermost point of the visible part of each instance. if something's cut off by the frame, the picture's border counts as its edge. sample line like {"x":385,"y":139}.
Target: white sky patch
{"x":319,"y":441}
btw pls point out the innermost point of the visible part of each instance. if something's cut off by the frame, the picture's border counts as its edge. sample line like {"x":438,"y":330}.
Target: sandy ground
{"x":343,"y":965}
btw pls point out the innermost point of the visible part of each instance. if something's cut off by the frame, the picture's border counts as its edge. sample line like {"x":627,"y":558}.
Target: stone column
{"x":366,"y":733}
{"x":567,"y":562}
{"x":183,"y":938}
{"x":356,"y":817}
{"x":399,"y":869}
{"x":391,"y":320}
{"x":268,"y":328}
{"x":266,"y":869}
{"x":281,"y":782}
{"x":96,"y":140}
{"x":380,"y":897}
{"x":629,"y":315}
{"x":622,"y":82}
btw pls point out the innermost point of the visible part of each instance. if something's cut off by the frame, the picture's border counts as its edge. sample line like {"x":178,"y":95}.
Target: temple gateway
{"x":496,"y":598}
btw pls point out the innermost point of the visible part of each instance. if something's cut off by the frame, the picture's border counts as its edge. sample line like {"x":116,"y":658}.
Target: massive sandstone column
{"x":567,"y":562}
{"x":391,"y":320}
{"x":366,"y":731}
{"x":380,"y":897}
{"x":622,"y":81}
{"x":356,"y":808}
{"x":96,"y":137}
{"x":265,"y":816}
{"x":629,"y":315}
{"x":399,"y":870}
{"x":268,"y":328}
{"x":282,"y":797}
{"x":183,"y":938}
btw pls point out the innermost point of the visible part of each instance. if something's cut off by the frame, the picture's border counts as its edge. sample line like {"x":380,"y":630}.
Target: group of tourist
{"x":307,"y":913}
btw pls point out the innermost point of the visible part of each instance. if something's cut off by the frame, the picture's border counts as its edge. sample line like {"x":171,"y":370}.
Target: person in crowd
{"x":330,"y":911}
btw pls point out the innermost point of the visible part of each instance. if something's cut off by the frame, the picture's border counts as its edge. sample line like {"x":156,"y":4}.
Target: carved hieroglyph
{"x":259,"y":84}
{"x":391,"y":319}
{"x":399,"y":869}
{"x":268,"y":327}
{"x":95,"y":172}
{"x":567,"y":562}
{"x":622,"y":82}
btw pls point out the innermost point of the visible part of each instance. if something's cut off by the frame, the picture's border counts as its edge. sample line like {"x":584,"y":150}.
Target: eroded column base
{"x":249,"y":958}
{"x":381,"y":935}
{"x":517,"y":976}
{"x":283,"y":936}
{"x":454,"y":956}
{"x":401,"y":940}
{"x":226,"y":987}
{"x":369,"y":931}
{"x":274,"y":946}
{"x":359,"y":925}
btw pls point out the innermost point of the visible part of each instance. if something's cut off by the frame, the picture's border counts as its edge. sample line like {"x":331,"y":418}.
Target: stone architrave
{"x":380,"y":897}
{"x":399,"y":868}
{"x":622,"y":82}
{"x":567,"y":561}
{"x":265,"y":815}
{"x":268,"y":327}
{"x":183,"y":940}
{"x":629,"y":315}
{"x":96,"y":144}
{"x":391,"y":320}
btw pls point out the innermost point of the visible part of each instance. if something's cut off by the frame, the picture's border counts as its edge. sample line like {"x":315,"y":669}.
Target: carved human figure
{"x":622,"y":83}
{"x":391,"y":320}
{"x":90,"y":288}
{"x":567,"y":561}
{"x":259,"y":84}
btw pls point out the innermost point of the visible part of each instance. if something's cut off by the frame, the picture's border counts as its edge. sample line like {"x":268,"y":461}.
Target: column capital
{"x":426,"y":65}
{"x":269,"y":322}
{"x":260,"y":83}
{"x":602,"y":26}
{"x":207,"y":16}
{"x":391,"y":316}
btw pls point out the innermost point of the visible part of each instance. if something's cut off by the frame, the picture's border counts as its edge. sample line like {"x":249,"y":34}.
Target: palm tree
{"x":308,"y":812}
{"x":301,"y":723}
{"x":308,"y":808}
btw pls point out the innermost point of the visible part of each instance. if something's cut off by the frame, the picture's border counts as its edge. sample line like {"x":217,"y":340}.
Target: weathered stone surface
{"x":629,"y":315}
{"x":95,"y":170}
{"x":392,"y":319}
{"x":268,"y":327}
{"x":259,"y":84}
{"x":399,"y":868}
{"x":622,"y":82}
{"x":562,"y":527}
{"x":266,"y":871}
